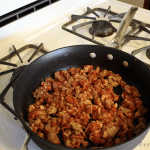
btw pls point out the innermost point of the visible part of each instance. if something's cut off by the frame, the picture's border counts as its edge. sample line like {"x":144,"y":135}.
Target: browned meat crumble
{"x":67,"y":103}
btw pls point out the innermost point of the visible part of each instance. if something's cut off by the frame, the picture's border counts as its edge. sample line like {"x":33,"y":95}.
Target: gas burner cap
{"x":17,"y":72}
{"x":101,"y":28}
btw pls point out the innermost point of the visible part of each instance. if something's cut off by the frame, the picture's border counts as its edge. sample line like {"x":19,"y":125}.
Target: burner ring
{"x":101,"y":28}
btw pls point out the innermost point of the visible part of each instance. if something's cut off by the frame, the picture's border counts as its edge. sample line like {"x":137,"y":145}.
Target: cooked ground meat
{"x":80,"y":104}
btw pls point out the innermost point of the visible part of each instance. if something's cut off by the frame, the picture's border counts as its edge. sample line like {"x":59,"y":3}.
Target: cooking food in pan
{"x":81,"y":106}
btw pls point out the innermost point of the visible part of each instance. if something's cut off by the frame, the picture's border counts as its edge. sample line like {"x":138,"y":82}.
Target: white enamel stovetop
{"x":45,"y":26}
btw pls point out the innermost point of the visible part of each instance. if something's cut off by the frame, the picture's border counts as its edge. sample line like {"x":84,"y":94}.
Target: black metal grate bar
{"x":115,"y":20}
{"x":118,"y":15}
{"x":80,"y":25}
{"x":132,"y":24}
{"x":21,"y":50}
{"x":9,"y":108}
{"x":7,"y":63}
{"x":93,"y":12}
{"x":133,"y":33}
{"x":2,"y":95}
{"x":6,"y":72}
{"x":140,"y":50}
{"x":148,"y":54}
{"x":4,"y":92}
{"x":17,"y":54}
{"x":144,"y":29}
{"x":80,"y":35}
{"x":76,"y":17}
{"x":36,"y":51}
{"x":131,"y":37}
{"x":107,"y":11}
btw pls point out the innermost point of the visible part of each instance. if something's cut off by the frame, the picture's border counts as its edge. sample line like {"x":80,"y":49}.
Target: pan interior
{"x":136,"y":74}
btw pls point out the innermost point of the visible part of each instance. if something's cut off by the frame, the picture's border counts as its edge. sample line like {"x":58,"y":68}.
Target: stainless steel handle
{"x":116,"y":41}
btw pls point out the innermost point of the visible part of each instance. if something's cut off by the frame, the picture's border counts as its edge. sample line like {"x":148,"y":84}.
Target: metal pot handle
{"x":116,"y":41}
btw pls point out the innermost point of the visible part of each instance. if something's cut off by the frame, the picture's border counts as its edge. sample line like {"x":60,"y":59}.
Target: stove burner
{"x":101,"y":28}
{"x":17,"y":72}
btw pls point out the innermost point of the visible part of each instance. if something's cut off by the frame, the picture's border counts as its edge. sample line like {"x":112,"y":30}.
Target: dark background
{"x":146,"y":4}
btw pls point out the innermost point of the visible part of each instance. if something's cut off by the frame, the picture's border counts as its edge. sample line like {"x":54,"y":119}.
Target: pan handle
{"x":127,"y":19}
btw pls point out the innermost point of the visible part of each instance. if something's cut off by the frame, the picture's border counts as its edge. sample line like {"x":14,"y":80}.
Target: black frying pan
{"x":136,"y":74}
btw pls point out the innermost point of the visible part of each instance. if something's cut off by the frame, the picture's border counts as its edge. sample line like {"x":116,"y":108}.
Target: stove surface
{"x":45,"y":26}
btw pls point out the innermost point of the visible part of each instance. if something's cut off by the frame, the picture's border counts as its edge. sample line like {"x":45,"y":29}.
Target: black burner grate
{"x":137,"y":26}
{"x":16,"y":71}
{"x":16,"y":52}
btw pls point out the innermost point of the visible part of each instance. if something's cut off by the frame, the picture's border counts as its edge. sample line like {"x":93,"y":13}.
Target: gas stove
{"x":24,"y":40}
